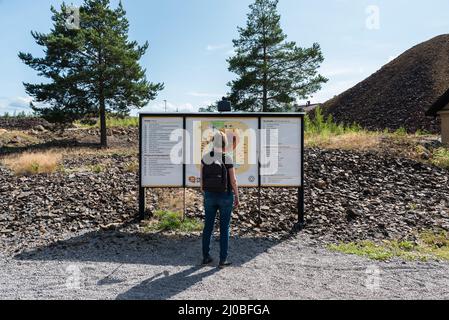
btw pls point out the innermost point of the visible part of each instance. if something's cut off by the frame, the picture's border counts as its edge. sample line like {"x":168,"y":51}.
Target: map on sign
{"x":242,"y":147}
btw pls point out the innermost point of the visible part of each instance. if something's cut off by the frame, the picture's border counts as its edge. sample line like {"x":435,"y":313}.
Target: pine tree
{"x":91,"y":70}
{"x":272,"y":72}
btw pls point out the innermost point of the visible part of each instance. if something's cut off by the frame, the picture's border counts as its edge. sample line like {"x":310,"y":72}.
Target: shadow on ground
{"x":180,"y":255}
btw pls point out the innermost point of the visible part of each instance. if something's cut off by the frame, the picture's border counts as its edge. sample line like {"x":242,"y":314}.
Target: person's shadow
{"x":164,"y":286}
{"x":157,"y":250}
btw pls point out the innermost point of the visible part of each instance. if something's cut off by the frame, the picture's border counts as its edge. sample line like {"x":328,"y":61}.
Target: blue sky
{"x":191,"y":39}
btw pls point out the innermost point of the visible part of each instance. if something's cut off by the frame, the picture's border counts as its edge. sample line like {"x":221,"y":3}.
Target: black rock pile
{"x":349,"y":196}
{"x":356,"y":196}
{"x":399,"y":94}
{"x":11,"y":123}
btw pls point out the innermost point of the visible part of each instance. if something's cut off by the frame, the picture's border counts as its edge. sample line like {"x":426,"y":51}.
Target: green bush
{"x":173,"y":221}
{"x":441,"y":158}
{"x":113,"y":122}
{"x":319,"y":125}
{"x":401,"y":132}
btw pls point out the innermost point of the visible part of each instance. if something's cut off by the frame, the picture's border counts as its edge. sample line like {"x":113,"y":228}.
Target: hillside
{"x":400,"y":92}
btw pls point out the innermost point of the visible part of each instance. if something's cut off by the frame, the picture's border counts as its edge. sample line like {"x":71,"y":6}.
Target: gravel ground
{"x":113,"y":265}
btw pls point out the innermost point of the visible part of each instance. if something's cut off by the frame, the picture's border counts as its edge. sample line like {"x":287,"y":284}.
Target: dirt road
{"x":120,"y":266}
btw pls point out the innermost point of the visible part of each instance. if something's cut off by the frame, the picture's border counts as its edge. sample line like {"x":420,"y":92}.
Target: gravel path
{"x":115,"y":265}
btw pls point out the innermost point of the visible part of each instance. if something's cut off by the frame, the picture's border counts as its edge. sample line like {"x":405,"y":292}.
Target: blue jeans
{"x":213,"y":202}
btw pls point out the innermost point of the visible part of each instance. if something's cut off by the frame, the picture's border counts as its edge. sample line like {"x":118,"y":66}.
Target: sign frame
{"x":259,"y":116}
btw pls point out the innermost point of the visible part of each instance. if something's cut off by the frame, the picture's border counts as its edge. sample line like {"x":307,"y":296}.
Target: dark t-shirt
{"x":229,"y":163}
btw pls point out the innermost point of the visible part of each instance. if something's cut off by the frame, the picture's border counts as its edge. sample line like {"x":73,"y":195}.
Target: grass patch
{"x":325,"y":133}
{"x":365,"y":249}
{"x":430,"y":246}
{"x":172,"y":221}
{"x":132,"y":167}
{"x":16,"y":138}
{"x":97,"y":168}
{"x":440,"y":158}
{"x":31,"y":163}
{"x":113,"y":122}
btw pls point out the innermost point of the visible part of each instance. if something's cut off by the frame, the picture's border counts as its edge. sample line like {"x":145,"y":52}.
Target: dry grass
{"x":16,"y":138}
{"x":173,"y":199}
{"x":30,"y":163}
{"x":81,"y":152}
{"x":132,"y":167}
{"x":441,"y":158}
{"x":362,"y":140}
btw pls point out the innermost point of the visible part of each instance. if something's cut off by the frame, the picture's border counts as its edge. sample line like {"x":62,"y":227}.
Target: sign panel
{"x":162,"y":152}
{"x":242,"y":135}
{"x":281,"y":152}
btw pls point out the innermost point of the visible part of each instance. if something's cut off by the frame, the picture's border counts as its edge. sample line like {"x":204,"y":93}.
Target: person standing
{"x":221,"y":194}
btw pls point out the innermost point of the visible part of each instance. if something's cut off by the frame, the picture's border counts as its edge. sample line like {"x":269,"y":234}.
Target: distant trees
{"x":92,"y":69}
{"x":272,"y":72}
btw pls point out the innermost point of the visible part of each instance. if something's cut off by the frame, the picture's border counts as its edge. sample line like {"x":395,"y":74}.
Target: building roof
{"x":309,"y":107}
{"x":439,"y":105}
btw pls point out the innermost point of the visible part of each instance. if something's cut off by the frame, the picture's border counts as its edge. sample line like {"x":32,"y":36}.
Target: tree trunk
{"x":265,"y":82}
{"x":101,"y":98}
{"x":265,"y":72}
{"x":103,"y":131}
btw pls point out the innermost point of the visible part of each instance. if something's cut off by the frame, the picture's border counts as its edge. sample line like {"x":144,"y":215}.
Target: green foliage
{"x":401,"y":132}
{"x":35,"y":166}
{"x":97,"y":168}
{"x":132,"y":167}
{"x":272,"y":72}
{"x":113,"y":122}
{"x":91,"y":70}
{"x":19,"y":115}
{"x":421,"y":133}
{"x":173,"y":221}
{"x":366,"y":249}
{"x":441,"y":158}
{"x":431,"y":246}
{"x":319,"y":125}
{"x":211,"y":108}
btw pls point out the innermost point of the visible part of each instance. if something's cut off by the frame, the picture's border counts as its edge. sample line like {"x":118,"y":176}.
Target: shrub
{"x":441,"y":158}
{"x":173,"y":221}
{"x":97,"y":168}
{"x":111,"y":122}
{"x":318,"y":125}
{"x":321,"y":132}
{"x":132,"y":167}
{"x":401,"y":132}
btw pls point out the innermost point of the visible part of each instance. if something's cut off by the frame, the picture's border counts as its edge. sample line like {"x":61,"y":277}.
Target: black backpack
{"x":215,"y":176}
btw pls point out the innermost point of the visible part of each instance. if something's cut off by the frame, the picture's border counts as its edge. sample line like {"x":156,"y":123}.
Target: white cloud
{"x":159,"y":107}
{"x":14,"y":104}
